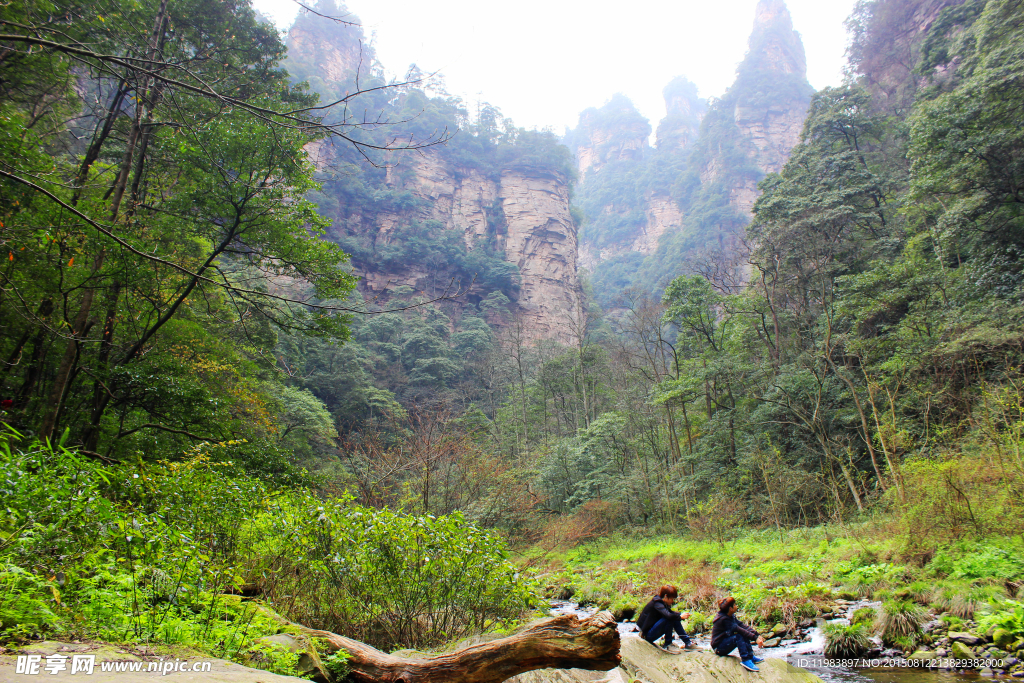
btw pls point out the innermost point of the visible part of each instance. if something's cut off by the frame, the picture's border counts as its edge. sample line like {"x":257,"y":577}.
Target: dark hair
{"x":726,"y":604}
{"x":668,"y":591}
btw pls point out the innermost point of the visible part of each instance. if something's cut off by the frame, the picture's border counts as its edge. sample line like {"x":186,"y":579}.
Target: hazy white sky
{"x":544,"y":61}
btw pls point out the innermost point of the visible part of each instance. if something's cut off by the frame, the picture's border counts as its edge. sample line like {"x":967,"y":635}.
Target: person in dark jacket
{"x":729,"y":633}
{"x":657,"y":618}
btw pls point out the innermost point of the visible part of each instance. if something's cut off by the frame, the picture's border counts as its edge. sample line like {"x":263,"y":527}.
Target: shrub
{"x":961,"y":497}
{"x":919,"y":592}
{"x":900,"y":620}
{"x":146,"y":552}
{"x":846,"y":641}
{"x":868,"y":579}
{"x":391,"y":579}
{"x":337,"y":665}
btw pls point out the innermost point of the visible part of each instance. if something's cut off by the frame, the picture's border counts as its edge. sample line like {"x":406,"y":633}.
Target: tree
{"x":186,"y":199}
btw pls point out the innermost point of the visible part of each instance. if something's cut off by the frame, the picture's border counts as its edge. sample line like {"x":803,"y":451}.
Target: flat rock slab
{"x":644,"y":662}
{"x":220,"y":671}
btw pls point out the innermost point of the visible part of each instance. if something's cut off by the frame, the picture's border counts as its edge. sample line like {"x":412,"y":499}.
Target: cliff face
{"x":886,"y":41}
{"x":336,"y":61}
{"x":522,"y":214}
{"x":541,"y":241}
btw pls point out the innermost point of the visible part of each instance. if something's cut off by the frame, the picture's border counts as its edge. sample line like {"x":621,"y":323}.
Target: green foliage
{"x":337,"y":665}
{"x":1007,"y":615}
{"x":698,"y":622}
{"x":273,"y":658}
{"x":863,"y":615}
{"x":446,"y":578}
{"x":964,"y":600}
{"x":968,"y":561}
{"x":158,"y":227}
{"x":147,"y":552}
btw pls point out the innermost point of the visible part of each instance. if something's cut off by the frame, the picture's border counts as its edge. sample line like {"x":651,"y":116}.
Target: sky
{"x":542,"y":62}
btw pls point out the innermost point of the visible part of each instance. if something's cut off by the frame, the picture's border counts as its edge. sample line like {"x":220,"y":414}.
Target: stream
{"x":807,"y":653}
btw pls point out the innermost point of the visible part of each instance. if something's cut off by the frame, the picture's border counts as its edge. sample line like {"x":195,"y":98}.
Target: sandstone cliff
{"x":885,"y":46}
{"x":523,"y":214}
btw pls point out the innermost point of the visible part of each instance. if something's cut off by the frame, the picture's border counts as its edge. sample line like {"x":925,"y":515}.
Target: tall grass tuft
{"x":974,"y":598}
{"x":843,"y":641}
{"x":963,"y":600}
{"x":900,"y":620}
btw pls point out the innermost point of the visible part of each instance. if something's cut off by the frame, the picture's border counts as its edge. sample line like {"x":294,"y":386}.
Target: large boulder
{"x":1003,"y":639}
{"x":645,"y":662}
{"x":966,"y":638}
{"x":923,"y":656}
{"x":961,"y":651}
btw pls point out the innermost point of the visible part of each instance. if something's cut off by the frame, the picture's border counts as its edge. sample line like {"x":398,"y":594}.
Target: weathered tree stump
{"x":563,"y":642}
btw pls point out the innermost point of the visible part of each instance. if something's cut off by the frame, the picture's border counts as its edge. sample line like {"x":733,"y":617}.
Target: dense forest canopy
{"x":193,"y":218}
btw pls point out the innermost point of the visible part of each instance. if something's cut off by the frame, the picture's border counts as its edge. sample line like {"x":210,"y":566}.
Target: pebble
{"x":986,"y":672}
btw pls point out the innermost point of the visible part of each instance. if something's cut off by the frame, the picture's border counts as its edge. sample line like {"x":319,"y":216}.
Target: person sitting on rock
{"x":657,"y":619}
{"x":729,"y":633}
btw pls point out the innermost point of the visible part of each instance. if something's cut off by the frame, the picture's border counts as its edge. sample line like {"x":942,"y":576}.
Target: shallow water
{"x":807,"y":654}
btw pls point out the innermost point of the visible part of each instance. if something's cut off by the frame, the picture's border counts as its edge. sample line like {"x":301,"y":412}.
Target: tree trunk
{"x":562,"y":642}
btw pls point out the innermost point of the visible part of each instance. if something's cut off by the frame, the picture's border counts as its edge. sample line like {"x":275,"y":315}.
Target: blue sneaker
{"x":757,"y":660}
{"x":749,"y":665}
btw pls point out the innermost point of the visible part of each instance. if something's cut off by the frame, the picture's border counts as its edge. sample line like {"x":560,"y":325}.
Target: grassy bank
{"x":782,"y":578}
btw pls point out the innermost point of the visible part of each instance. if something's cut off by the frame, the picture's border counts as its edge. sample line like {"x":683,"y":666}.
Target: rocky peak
{"x":769,"y":99}
{"x":614,"y":132}
{"x":684,"y":110}
{"x":774,"y":45}
{"x":328,"y":53}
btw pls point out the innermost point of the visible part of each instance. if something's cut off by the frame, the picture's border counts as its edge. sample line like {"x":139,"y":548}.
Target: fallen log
{"x":563,"y":642}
